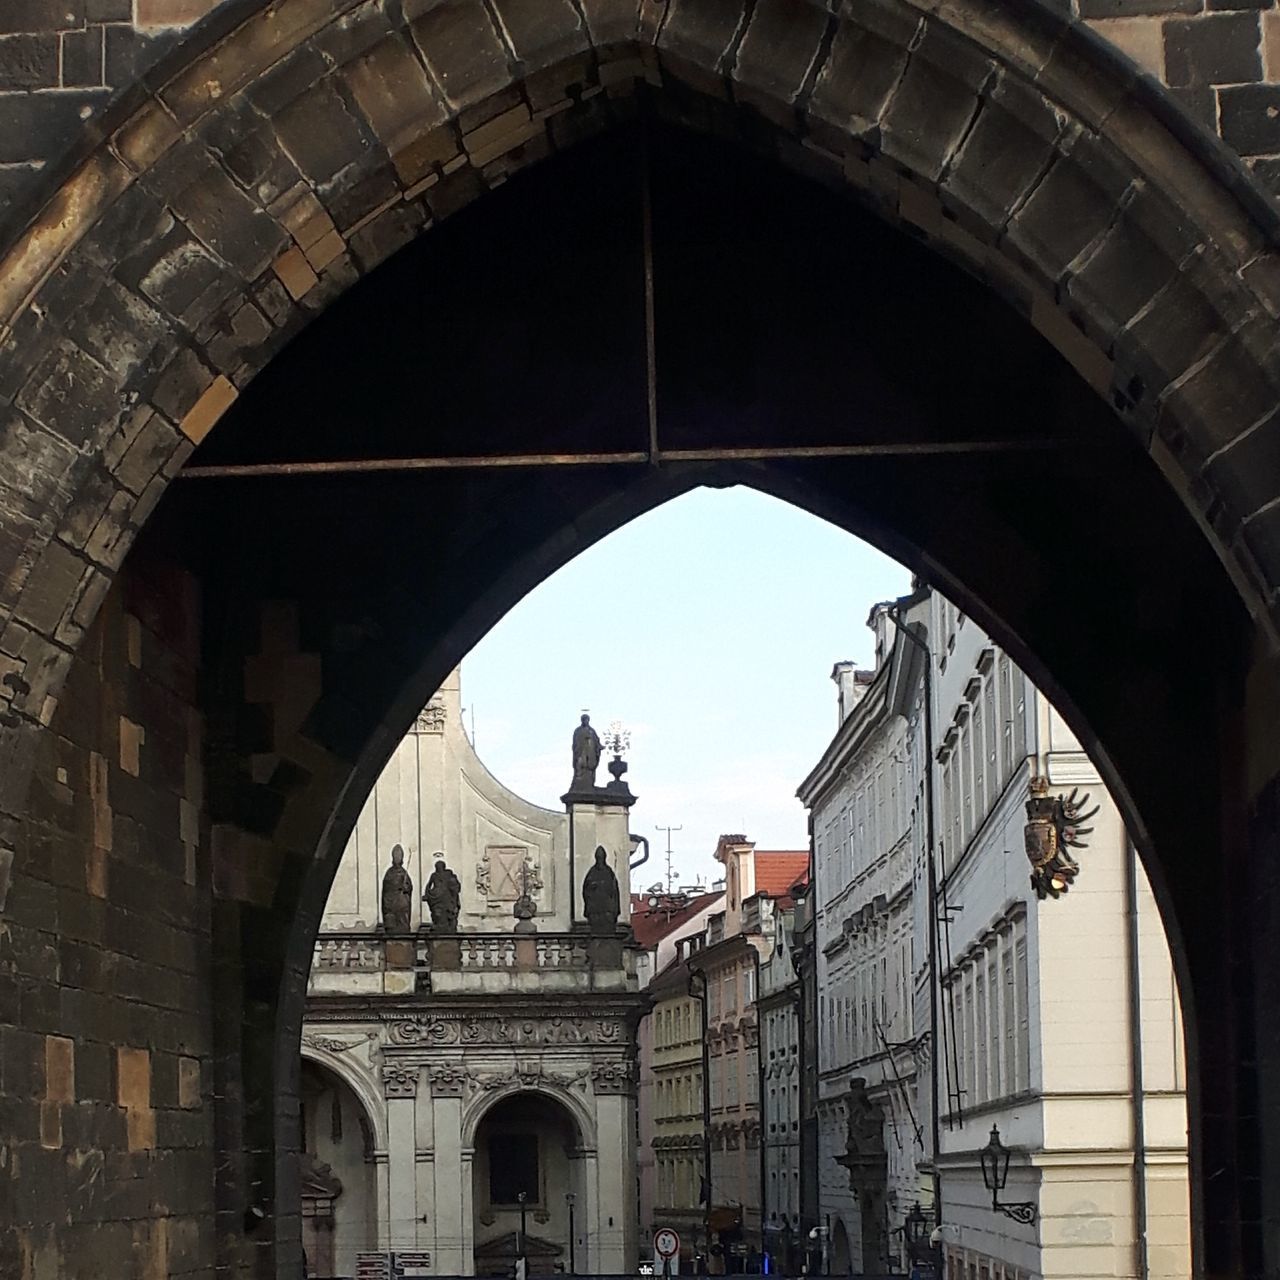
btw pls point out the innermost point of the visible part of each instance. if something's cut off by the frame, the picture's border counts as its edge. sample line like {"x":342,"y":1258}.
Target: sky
{"x":708,"y":627}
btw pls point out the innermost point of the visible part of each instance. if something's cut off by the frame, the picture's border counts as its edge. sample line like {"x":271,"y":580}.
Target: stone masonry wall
{"x":61,"y":61}
{"x":105,"y":1051}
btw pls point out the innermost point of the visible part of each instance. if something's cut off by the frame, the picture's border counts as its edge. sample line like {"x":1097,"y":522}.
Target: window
{"x":1023,"y":1064}
{"x":1005,"y":677}
{"x":978,"y":743}
{"x":966,"y":791}
{"x":749,"y":985}
{"x":970,"y":1056}
{"x":980,"y":1093}
{"x":1019,"y":717}
{"x":516,"y":1171}
{"x":1009,"y":1076}
{"x":995,"y":779}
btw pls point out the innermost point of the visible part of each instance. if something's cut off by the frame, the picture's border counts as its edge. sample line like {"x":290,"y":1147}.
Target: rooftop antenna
{"x":669,"y":830}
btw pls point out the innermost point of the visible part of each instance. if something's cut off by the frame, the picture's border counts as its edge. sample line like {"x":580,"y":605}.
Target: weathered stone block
{"x":39,"y":15}
{"x":71,"y":394}
{"x":392,"y":90}
{"x":540,"y":32}
{"x":83,"y":58}
{"x":29,"y":61}
{"x":861,"y":71}
{"x":783,"y":41}
{"x":1073,"y":203}
{"x":461,"y":47}
{"x":1250,"y":118}
{"x":1215,"y":49}
{"x":1007,"y":149}
{"x":59,"y":1069}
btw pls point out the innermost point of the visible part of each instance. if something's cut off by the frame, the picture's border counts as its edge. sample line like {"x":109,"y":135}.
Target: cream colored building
{"x":1041,"y":997}
{"x":863,"y":798}
{"x":674,"y":1131}
{"x":446,"y":1073}
{"x":1054,"y":1021}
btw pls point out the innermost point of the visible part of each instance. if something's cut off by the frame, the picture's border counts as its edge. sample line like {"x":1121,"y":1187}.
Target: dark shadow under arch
{"x":784,"y":314}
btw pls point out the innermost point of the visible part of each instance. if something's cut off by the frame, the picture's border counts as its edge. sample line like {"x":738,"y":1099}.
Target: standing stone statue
{"x":397,"y":894}
{"x":600,"y":901}
{"x":443,"y":897}
{"x":586,"y":756}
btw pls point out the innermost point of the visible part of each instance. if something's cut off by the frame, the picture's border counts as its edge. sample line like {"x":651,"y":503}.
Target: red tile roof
{"x":778,"y":869}
{"x":651,"y":926}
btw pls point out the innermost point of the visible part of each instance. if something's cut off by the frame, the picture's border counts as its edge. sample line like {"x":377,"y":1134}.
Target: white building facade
{"x":1060,"y":1019}
{"x":451,"y":1073}
{"x":952,"y":989}
{"x":862,"y":797}
{"x":778,"y":1014}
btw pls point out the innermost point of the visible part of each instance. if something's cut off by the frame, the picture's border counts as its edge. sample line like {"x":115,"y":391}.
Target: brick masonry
{"x":107,"y":1056}
{"x":61,"y":61}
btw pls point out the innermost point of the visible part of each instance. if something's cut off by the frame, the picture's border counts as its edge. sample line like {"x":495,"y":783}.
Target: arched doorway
{"x":279,"y":626}
{"x":338,"y":1183}
{"x":841,"y":1263}
{"x":528,"y":1162}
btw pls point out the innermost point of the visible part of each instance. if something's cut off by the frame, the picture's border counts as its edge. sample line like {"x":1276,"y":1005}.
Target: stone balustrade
{"x":370,"y":963}
{"x":488,"y":963}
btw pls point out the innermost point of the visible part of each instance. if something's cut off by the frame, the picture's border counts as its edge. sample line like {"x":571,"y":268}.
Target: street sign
{"x":666,"y":1243}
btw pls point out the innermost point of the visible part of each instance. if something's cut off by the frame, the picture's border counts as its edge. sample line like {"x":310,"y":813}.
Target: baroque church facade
{"x":469,"y":1048}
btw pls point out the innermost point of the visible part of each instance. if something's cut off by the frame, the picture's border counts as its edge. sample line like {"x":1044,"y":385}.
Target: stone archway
{"x":530,"y":1143}
{"x":339,"y":1189}
{"x":841,"y":1262}
{"x":274,"y":167}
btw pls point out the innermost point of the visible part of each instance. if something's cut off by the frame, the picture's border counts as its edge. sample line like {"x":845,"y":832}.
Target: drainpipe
{"x":764,"y":1172}
{"x":1137,"y":1090}
{"x":644,"y":840}
{"x":935,"y":1048}
{"x":706,"y":1109}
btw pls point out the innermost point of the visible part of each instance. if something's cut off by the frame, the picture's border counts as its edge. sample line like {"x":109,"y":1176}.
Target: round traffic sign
{"x":666,"y":1243}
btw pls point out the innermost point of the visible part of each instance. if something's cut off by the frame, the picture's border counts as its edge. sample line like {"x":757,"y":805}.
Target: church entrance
{"x":527,"y":1188}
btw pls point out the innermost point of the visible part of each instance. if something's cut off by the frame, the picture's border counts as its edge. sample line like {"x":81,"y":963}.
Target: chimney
{"x":884,"y":628}
{"x":851,"y":683}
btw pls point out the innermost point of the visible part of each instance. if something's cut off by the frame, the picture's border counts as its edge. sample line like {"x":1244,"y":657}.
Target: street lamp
{"x":916,"y":1225}
{"x":995,"y":1173}
{"x":569,"y":1198}
{"x":521,"y":1269}
{"x":819,"y":1236}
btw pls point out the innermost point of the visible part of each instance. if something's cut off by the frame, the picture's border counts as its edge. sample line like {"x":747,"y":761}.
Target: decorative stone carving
{"x":431,"y":718}
{"x":424,"y":1029}
{"x":613,"y":1078}
{"x":505,"y":872}
{"x":530,"y":1078}
{"x":435,"y":1030}
{"x":329,"y":1043}
{"x":448,"y":1081}
{"x":399,"y":1081}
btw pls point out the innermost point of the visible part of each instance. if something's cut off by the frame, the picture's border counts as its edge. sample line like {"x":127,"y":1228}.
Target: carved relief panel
{"x":505,"y":872}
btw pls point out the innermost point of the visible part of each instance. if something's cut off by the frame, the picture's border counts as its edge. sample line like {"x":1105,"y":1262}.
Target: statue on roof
{"x":586,"y":756}
{"x":443,"y":896}
{"x":397,"y":894}
{"x":601,"y":902}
